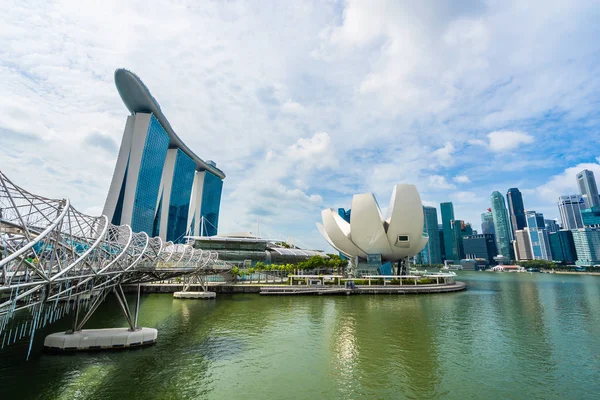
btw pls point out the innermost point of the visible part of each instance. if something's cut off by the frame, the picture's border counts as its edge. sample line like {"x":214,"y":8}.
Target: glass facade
{"x":458,"y":231}
{"x":535,"y":220}
{"x":487,"y":223}
{"x":431,"y":253}
{"x":587,"y":245}
{"x":516,"y":209}
{"x":551,"y":225}
{"x":591,"y":217}
{"x":570,"y":211}
{"x":501,"y":225}
{"x":447,"y":210}
{"x":211,"y":201}
{"x":148,"y":185}
{"x":540,"y":246}
{"x":480,"y":246}
{"x":562,"y":246}
{"x":181,"y":192}
{"x":345,"y":214}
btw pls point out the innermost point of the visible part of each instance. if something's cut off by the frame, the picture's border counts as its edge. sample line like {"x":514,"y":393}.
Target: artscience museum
{"x":373,"y":241}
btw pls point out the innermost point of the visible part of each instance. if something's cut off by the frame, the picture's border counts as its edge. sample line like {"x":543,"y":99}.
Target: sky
{"x":304,"y":103}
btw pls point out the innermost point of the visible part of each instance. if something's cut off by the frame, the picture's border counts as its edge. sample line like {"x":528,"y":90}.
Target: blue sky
{"x":303,"y":104}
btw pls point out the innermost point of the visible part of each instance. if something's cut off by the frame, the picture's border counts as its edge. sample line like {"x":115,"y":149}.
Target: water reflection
{"x":508,"y":336}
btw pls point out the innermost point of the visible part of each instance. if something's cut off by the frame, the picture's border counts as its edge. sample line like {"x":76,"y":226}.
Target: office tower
{"x":442,"y":245}
{"x":501,"y":225}
{"x":538,"y":236}
{"x":468,"y":229}
{"x":587,"y":246}
{"x":458,"y":229}
{"x":487,"y":223}
{"x":480,"y":246}
{"x":588,"y":188}
{"x":562,"y":246}
{"x":551,"y":225}
{"x":447,"y":210}
{"x":591,"y":217}
{"x":516,"y":209}
{"x":431,"y":253}
{"x":522,"y":245}
{"x":570,"y":208}
{"x":159,"y":185}
{"x":344,"y":214}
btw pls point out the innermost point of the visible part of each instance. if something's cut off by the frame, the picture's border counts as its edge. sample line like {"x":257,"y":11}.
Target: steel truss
{"x":56,"y":260}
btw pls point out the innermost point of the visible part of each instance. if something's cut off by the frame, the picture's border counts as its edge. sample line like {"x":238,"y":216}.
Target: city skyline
{"x":296,"y":120}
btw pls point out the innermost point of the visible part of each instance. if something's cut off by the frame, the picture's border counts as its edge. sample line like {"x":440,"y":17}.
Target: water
{"x":509,"y":336}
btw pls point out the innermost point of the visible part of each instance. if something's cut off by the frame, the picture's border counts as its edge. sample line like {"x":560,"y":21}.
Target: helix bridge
{"x":55,"y":260}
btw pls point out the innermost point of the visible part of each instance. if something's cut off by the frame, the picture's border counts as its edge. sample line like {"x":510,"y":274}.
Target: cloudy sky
{"x":304,"y":103}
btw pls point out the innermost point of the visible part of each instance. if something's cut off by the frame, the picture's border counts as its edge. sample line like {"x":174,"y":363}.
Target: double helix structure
{"x":55,"y":260}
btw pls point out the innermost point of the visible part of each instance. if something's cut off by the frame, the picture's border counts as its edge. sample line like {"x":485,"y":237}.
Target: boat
{"x":533,"y":270}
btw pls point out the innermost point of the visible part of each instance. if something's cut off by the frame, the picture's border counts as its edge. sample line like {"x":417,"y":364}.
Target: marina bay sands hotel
{"x":160,"y":186}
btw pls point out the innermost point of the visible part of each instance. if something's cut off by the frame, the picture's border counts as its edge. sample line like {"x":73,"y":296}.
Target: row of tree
{"x":334,"y":263}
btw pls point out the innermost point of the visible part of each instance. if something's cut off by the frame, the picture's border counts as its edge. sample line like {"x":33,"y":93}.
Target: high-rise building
{"x":540,"y":245}
{"x":570,"y":208}
{"x":458,"y":231}
{"x":562,"y":246}
{"x":442,"y":245}
{"x":551,"y":225}
{"x":501,"y":225}
{"x":480,"y":246}
{"x":516,"y":209}
{"x":591,"y":217}
{"x":431,"y":253}
{"x":522,"y":245}
{"x":345,"y":214}
{"x":587,"y":246}
{"x":487,"y":223}
{"x":588,"y":188}
{"x":159,"y":185}
{"x":447,"y":210}
{"x":535,"y":220}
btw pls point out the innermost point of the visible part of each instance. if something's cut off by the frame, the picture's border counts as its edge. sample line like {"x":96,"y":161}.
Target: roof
{"x":137,"y":98}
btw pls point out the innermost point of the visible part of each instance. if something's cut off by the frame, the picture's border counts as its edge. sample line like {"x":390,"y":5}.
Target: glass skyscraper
{"x":447,"y":210}
{"x":159,"y":185}
{"x":487,"y":223}
{"x":588,"y":188}
{"x":587,"y":245}
{"x":570,"y":211}
{"x":431,"y":253}
{"x":591,"y":217}
{"x":516,"y":209}
{"x":501,"y":224}
{"x":562,"y":246}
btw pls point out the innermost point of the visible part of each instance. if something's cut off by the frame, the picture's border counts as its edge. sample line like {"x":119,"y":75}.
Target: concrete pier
{"x":99,"y":339}
{"x":194,"y":295}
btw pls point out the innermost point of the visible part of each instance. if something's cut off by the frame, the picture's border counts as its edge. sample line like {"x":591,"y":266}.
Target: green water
{"x":509,"y":336}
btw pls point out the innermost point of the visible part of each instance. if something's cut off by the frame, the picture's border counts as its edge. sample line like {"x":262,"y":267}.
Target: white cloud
{"x":461,"y":179}
{"x":507,"y":140}
{"x":291,"y":107}
{"x":564,"y":183}
{"x":445,"y":154}
{"x":398,"y":86}
{"x":439,"y":182}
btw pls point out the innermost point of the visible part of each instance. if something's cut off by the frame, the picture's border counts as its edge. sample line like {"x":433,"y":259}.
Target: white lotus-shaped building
{"x":396,"y":237}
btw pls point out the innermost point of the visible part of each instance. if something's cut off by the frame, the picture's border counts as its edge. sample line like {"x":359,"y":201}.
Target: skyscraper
{"x":431,"y":251}
{"x":487,"y":223}
{"x":562,"y":246}
{"x":500,"y":216}
{"x":588,"y":188}
{"x":522,"y":245}
{"x":587,"y":245}
{"x":591,"y":217}
{"x":570,"y":208}
{"x":480,"y":246}
{"x":551,"y":226}
{"x":535,"y":220}
{"x":447,"y":210}
{"x":159,"y":185}
{"x":516,"y":209}
{"x":458,"y":231}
